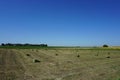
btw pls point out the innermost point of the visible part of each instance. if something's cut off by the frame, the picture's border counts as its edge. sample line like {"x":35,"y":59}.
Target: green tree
{"x":105,"y":45}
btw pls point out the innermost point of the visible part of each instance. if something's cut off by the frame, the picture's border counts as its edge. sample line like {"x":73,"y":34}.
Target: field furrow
{"x":10,"y":67}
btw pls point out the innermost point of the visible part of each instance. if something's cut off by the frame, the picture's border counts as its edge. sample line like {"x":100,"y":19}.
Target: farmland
{"x":10,"y":66}
{"x":59,"y":64}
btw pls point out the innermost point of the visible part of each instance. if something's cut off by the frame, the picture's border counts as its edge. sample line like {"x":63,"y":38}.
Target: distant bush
{"x":2,"y":44}
{"x":105,"y":45}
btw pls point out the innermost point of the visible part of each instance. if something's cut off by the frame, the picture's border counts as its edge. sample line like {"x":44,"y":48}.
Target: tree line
{"x":26,"y":44}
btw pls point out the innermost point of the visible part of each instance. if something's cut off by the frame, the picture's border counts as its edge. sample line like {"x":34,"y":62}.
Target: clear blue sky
{"x":60,"y":22}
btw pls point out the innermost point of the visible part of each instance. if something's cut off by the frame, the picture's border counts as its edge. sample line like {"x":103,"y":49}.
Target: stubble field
{"x":59,"y":64}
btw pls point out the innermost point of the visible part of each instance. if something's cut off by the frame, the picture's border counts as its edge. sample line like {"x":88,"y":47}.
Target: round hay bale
{"x":78,"y":55}
{"x":36,"y":61}
{"x":56,"y":54}
{"x":108,"y":57}
{"x":27,"y":54}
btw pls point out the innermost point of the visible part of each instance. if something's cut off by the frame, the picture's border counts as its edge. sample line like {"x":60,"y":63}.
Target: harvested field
{"x":10,"y":66}
{"x":60,"y":64}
